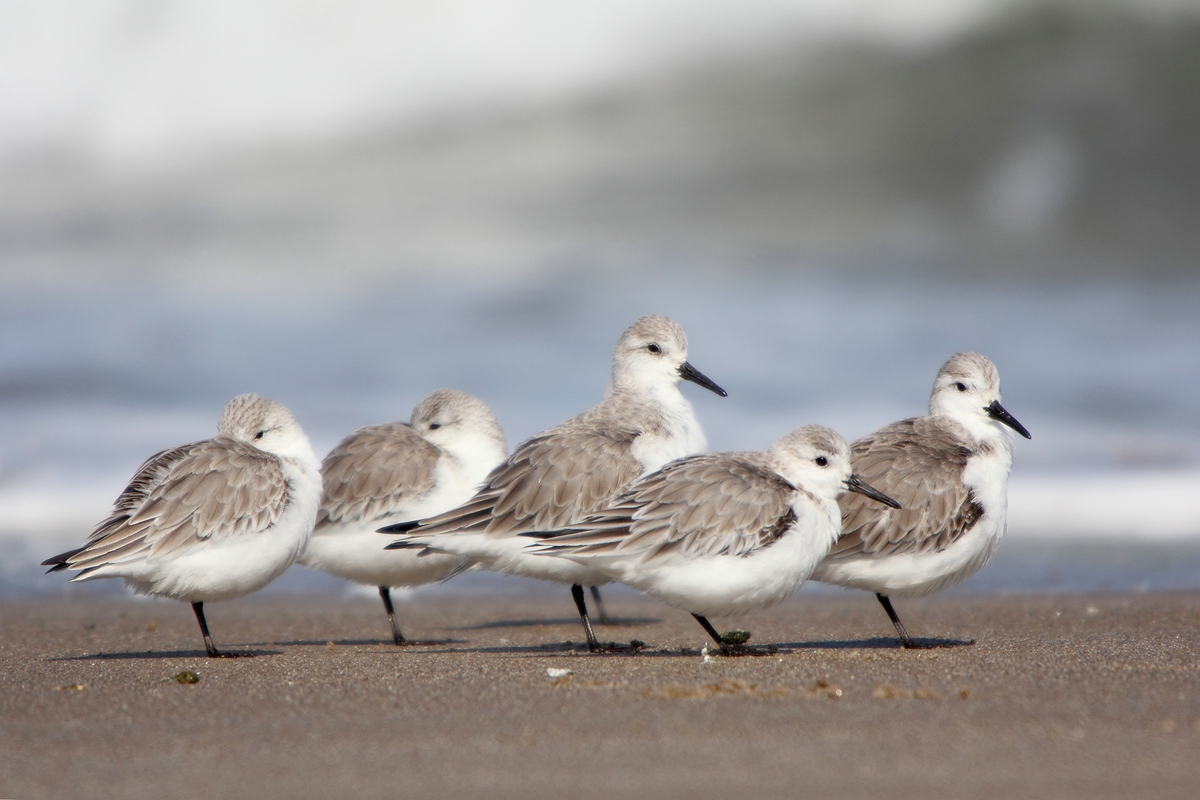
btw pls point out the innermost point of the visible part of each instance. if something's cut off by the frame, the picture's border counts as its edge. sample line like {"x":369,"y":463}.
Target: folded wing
{"x":374,"y":473}
{"x":920,"y":463}
{"x":552,"y":480}
{"x":705,"y":505}
{"x":209,"y":490}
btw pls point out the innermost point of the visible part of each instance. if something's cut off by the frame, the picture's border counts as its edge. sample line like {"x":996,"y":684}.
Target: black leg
{"x":213,"y":652}
{"x":604,"y":620}
{"x":704,"y":623}
{"x":905,"y":639}
{"x":208,"y":642}
{"x":386,"y":594}
{"x":577,"y":594}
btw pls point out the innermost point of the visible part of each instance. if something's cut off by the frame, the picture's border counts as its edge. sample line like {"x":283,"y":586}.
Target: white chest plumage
{"x":680,"y":435}
{"x":986,"y":474}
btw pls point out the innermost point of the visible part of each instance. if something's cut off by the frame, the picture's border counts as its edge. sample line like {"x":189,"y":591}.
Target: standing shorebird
{"x":558,"y":477}
{"x":213,"y":520}
{"x":397,"y":471}
{"x":722,"y":533}
{"x":949,"y":471}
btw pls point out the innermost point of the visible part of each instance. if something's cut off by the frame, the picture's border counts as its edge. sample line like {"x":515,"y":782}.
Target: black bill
{"x":856,"y":484}
{"x":997,"y":412}
{"x":690,"y":373}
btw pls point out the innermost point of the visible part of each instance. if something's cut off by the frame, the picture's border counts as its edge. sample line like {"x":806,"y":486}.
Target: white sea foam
{"x":1151,"y":505}
{"x":1154,"y":505}
{"x":45,"y":512}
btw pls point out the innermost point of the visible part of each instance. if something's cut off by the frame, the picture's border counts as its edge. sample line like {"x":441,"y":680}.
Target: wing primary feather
{"x":183,"y":495}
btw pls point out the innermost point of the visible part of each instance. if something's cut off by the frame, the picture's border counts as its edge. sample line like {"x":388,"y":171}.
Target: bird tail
{"x":61,"y":561}
{"x":399,"y":527}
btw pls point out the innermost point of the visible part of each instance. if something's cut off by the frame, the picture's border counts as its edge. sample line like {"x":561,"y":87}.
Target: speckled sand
{"x":1060,"y":696}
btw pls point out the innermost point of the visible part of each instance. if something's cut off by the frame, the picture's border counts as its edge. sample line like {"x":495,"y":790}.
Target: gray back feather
{"x":212,"y":489}
{"x":704,"y":505}
{"x":552,"y":480}
{"x":374,"y":472}
{"x":918,"y":462}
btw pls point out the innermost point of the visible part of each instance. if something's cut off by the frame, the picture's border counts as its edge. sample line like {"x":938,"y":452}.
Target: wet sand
{"x":1059,"y":696}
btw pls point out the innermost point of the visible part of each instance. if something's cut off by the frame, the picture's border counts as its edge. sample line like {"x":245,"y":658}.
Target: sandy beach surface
{"x":1059,"y":696}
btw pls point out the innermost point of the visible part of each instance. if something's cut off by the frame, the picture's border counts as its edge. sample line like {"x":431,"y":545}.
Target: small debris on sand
{"x":823,"y":688}
{"x":889,"y":692}
{"x":733,"y":687}
{"x":560,"y":676}
{"x":735,"y":637}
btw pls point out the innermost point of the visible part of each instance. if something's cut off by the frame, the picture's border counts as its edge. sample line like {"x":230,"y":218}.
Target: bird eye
{"x":822,"y":461}
{"x":653,"y":348}
{"x":962,"y":387}
{"x":433,"y":426}
{"x":259,"y":435}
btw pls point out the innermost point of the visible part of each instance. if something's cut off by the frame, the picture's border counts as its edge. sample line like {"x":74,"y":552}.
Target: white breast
{"x":681,"y":436}
{"x":986,"y":474}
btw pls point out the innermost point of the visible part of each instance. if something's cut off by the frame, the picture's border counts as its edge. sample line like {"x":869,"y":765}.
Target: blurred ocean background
{"x":344,"y":207}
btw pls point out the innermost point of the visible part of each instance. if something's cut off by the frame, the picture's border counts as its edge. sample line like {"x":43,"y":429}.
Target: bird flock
{"x":622,"y":492}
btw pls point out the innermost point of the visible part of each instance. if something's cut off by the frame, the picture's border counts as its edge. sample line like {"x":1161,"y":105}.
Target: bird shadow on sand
{"x":529,"y":623}
{"x":875,"y":643}
{"x":567,"y":648}
{"x":368,"y":643}
{"x":167,"y":654}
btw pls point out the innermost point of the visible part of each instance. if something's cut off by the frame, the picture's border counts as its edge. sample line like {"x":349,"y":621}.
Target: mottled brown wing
{"x":551,"y":481}
{"x":918,"y":462}
{"x":374,"y":472}
{"x":704,"y":505}
{"x":149,"y":475}
{"x":211,"y":489}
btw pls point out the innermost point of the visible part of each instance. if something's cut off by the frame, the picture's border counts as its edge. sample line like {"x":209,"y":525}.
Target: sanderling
{"x":558,"y":477}
{"x":722,"y":533}
{"x":949,"y":471}
{"x":213,"y":520}
{"x":397,"y":471}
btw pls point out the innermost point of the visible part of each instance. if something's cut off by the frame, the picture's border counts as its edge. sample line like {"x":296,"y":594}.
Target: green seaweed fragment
{"x":735,"y":637}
